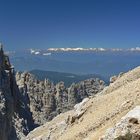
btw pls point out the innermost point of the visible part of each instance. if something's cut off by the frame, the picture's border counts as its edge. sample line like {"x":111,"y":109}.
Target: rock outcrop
{"x":47,"y":100}
{"x":115,"y":77}
{"x":15,"y":119}
{"x":127,"y":129}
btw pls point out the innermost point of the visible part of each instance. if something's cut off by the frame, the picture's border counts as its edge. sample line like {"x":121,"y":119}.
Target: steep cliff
{"x":14,"y":113}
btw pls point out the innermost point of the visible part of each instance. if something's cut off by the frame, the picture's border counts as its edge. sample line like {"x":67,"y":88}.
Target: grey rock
{"x":127,"y":129}
{"x":115,"y":77}
{"x":47,"y":100}
{"x":15,"y":116}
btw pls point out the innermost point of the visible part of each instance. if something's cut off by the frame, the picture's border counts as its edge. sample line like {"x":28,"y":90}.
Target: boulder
{"x":127,"y":129}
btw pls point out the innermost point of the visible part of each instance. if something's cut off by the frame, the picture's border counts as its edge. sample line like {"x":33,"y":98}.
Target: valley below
{"x":104,"y":64}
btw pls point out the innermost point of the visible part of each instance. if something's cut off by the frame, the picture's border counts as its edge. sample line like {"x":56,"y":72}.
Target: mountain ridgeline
{"x":26,"y":102}
{"x":48,"y":100}
{"x":67,"y":78}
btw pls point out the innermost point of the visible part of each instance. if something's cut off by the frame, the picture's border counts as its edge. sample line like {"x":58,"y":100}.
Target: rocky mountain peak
{"x":14,"y":120}
{"x":1,"y":47}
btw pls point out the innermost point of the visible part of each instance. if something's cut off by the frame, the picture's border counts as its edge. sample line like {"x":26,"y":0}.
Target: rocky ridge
{"x":47,"y":100}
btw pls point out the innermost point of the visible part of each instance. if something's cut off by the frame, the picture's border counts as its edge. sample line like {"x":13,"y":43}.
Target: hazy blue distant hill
{"x":105,"y":64}
{"x":67,"y":78}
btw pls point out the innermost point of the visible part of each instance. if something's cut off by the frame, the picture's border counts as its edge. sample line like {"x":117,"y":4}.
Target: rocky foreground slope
{"x":92,"y":118}
{"x":26,"y":103}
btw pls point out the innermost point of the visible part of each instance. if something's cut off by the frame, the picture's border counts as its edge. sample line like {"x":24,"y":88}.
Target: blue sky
{"x":69,"y":23}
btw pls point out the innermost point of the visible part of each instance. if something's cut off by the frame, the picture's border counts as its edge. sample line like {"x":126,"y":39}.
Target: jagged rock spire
{"x":4,"y":61}
{"x":1,"y":56}
{"x":1,"y":47}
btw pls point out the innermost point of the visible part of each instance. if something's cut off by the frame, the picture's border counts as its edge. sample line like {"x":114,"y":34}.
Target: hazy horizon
{"x":73,"y":23}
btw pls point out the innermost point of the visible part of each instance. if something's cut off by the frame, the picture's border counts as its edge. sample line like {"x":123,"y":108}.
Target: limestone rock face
{"x":61,"y":97}
{"x":47,"y":100}
{"x":6,"y":99}
{"x":39,"y":96}
{"x":14,"y":114}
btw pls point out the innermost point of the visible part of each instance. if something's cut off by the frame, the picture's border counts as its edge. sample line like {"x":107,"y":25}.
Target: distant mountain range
{"x":49,"y":50}
{"x":67,"y":78}
{"x":103,"y":63}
